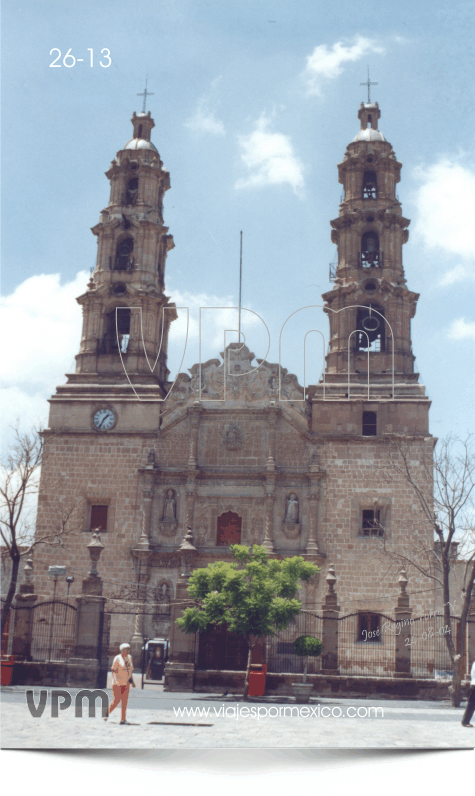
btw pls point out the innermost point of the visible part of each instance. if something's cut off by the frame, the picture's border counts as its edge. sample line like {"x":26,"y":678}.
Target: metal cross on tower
{"x":368,"y":83}
{"x":145,"y":94}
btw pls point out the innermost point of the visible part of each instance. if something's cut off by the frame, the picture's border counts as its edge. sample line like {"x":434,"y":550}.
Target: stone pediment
{"x":240,"y":384}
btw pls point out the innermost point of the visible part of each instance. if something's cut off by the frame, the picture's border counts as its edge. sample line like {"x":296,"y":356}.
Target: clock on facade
{"x":104,"y":419}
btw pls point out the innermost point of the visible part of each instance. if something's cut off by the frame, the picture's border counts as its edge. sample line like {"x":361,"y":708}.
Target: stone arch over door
{"x":228,"y":530}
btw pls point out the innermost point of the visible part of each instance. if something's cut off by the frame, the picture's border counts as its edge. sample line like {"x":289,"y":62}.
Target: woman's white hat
{"x":124,"y":646}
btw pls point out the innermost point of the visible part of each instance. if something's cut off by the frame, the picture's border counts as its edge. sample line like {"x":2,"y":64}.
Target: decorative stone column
{"x":190,"y":498}
{"x":195,"y":424}
{"x":179,"y":671}
{"x":89,"y":621}
{"x":268,"y":542}
{"x":331,"y":613}
{"x":147,"y":498}
{"x":315,"y":476}
{"x":272,"y":425}
{"x":403,"y":613}
{"x":22,"y":617}
{"x":143,"y":574}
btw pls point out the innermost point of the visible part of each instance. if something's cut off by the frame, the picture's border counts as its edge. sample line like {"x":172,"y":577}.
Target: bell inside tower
{"x":369,"y":185}
{"x":370,"y":255}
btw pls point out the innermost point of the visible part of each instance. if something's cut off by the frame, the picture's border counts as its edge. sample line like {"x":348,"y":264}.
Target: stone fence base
{"x":74,"y":675}
{"x":326,"y":685}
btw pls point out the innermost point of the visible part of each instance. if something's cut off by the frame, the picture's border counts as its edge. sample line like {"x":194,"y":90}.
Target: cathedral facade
{"x":238,"y":450}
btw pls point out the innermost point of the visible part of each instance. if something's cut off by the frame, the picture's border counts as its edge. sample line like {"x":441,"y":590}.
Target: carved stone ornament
{"x":291,"y":529}
{"x":167,"y":528}
{"x":233,"y":438}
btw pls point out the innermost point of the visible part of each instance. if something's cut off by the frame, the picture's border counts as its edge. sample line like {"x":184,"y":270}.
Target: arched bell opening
{"x":116,"y":336}
{"x":370,"y":255}
{"x":132,"y":191}
{"x":370,"y":185}
{"x":124,"y":260}
{"x":370,"y":329}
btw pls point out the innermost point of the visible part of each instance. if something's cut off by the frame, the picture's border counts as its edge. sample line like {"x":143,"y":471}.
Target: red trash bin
{"x":7,"y":669}
{"x":257,"y":679}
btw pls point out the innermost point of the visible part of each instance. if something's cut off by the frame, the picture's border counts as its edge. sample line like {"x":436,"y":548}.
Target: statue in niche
{"x":292,"y":510}
{"x":163,"y":599}
{"x":169,"y":512}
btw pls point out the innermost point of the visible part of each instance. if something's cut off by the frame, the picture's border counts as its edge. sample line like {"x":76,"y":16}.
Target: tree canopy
{"x":253,"y":595}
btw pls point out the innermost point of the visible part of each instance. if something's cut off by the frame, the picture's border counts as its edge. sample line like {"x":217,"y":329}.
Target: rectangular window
{"x":369,"y":424}
{"x":99,"y":518}
{"x":370,"y":523}
{"x":369,"y":628}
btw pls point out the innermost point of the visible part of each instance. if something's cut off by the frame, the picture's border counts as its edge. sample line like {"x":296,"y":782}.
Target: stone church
{"x":237,"y":450}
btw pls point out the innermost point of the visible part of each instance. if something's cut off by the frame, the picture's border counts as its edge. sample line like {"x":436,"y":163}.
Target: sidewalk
{"x":155,"y":725}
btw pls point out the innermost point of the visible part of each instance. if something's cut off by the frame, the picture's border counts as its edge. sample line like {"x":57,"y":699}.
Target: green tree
{"x":253,"y":595}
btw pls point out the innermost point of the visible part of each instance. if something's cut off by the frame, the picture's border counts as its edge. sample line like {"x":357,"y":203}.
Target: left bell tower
{"x":122,"y":358}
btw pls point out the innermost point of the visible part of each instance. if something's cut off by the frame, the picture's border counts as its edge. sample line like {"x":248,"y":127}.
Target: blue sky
{"x":251,"y":138}
{"x":254,"y":104}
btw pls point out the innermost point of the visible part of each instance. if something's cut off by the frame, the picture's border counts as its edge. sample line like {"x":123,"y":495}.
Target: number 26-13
{"x":69,"y":60}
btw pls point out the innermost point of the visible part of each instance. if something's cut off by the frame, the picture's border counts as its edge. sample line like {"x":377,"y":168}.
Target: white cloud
{"x":270,"y":158}
{"x":446,"y":209}
{"x":42,"y":324}
{"x":204,"y":120}
{"x":326,"y":63}
{"x":462,"y":330}
{"x":460,"y":273}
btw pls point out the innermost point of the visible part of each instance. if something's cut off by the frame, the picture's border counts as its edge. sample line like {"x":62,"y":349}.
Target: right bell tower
{"x":369,"y":359}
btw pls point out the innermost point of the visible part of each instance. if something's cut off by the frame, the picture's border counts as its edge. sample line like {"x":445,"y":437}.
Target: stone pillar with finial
{"x":84,"y":666}
{"x":179,"y":671}
{"x":403,"y":614}
{"x":22,"y":617}
{"x":331,"y":613}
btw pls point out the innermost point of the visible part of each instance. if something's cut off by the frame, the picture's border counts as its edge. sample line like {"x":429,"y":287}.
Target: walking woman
{"x":122,"y":668}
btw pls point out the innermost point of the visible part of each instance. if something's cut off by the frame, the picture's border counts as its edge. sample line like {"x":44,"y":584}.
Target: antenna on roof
{"x":240,"y":286}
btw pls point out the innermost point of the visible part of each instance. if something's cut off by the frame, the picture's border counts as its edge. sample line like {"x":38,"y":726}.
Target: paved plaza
{"x":227,"y":722}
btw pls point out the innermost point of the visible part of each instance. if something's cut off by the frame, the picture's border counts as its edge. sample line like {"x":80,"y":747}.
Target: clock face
{"x":103,"y":419}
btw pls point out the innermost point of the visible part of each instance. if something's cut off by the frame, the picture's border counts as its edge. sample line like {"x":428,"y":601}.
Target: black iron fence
{"x":367,"y":645}
{"x":430,"y":656}
{"x":279,"y":649}
{"x":53,"y":630}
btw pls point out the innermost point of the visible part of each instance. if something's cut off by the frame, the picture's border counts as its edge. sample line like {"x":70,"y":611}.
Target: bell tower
{"x":370,"y":307}
{"x":126,"y":314}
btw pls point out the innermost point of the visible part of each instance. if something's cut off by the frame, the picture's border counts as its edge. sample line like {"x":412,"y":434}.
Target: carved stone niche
{"x":168,"y":525}
{"x":233,"y":438}
{"x":291,"y":526}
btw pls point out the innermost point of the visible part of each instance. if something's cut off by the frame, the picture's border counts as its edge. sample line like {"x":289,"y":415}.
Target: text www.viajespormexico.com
{"x":282,"y":711}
